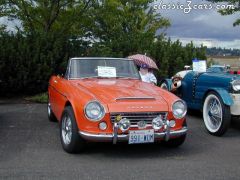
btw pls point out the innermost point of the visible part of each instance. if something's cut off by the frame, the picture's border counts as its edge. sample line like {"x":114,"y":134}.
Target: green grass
{"x":39,"y":98}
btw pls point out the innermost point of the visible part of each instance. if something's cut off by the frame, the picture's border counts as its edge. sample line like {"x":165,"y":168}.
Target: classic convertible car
{"x":215,"y":92}
{"x":104,"y":100}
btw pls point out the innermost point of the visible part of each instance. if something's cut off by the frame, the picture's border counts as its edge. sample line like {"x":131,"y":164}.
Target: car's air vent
{"x":136,"y":117}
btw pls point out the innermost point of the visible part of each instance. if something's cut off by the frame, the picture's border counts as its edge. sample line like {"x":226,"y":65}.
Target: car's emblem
{"x":141,"y":124}
{"x":118,"y":118}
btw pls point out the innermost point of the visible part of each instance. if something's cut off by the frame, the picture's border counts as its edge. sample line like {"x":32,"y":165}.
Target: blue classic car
{"x":215,"y":93}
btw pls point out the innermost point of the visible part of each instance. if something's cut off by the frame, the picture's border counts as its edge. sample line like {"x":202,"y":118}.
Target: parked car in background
{"x":218,"y":68}
{"x":104,"y":100}
{"x":224,"y":68}
{"x":215,"y":92}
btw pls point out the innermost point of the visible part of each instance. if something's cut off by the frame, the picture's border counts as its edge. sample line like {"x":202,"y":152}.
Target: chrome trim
{"x":167,"y":130}
{"x":185,"y":106}
{"x":232,"y":83}
{"x":124,"y":137}
{"x":90,"y":77}
{"x":135,"y":117}
{"x":69,"y":69}
{"x":107,"y":58}
{"x":134,"y":98}
{"x":94,"y":120}
{"x":115,"y":131}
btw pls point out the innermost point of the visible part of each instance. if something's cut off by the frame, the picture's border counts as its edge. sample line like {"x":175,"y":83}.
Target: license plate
{"x":141,"y":136}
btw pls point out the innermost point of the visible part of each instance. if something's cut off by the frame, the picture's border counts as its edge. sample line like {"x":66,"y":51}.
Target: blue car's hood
{"x":224,"y":75}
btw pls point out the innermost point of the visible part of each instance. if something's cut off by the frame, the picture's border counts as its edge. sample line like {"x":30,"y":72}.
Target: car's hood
{"x":224,"y":75}
{"x":125,"y":95}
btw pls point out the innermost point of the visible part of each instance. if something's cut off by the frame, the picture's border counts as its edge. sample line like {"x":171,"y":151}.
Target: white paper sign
{"x":104,"y":71}
{"x":199,"y":65}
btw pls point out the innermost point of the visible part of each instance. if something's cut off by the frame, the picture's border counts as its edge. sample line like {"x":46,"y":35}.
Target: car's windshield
{"x":103,"y":68}
{"x":217,"y":69}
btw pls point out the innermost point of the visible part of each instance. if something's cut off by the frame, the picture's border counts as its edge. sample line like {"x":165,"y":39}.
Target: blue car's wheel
{"x":216,"y":114}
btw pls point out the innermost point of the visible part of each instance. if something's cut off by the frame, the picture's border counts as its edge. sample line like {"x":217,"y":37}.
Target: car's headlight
{"x":179,"y":109}
{"x":236,"y":85}
{"x":94,"y":111}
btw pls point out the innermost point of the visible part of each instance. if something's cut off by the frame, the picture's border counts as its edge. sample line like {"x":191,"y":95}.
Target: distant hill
{"x":222,"y":52}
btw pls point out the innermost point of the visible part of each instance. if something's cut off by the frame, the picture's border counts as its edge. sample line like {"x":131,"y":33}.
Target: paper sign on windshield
{"x":104,"y":71}
{"x":199,"y":65}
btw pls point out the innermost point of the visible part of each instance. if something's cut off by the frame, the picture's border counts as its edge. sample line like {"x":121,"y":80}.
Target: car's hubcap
{"x":213,"y":113}
{"x":66,"y":129}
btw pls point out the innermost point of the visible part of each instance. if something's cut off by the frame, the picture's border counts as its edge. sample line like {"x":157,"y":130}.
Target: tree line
{"x":48,"y":33}
{"x":222,"y":52}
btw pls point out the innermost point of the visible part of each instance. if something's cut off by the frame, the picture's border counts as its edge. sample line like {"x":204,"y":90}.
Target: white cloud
{"x":202,"y":26}
{"x":234,"y":44}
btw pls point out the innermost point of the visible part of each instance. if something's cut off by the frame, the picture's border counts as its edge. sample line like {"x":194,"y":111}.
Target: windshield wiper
{"x":124,"y":77}
{"x":101,"y":77}
{"x":98,"y":77}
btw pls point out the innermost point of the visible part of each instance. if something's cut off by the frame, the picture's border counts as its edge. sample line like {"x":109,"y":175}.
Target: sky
{"x":202,"y":24}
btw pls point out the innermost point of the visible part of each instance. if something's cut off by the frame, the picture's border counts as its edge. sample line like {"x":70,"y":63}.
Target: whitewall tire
{"x":216,"y":114}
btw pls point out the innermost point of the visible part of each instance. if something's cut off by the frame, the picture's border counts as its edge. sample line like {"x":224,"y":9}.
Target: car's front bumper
{"x":124,"y":137}
{"x":235,"y":108}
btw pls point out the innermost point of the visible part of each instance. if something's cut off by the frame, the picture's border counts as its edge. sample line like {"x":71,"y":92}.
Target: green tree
{"x":63,"y":16}
{"x":51,"y":31}
{"x":126,"y":26}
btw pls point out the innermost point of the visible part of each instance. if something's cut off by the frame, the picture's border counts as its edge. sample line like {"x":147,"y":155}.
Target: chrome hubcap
{"x":213,"y":113}
{"x":66,"y":129}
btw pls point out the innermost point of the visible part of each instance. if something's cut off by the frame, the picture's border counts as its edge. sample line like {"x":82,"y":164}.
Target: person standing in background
{"x":146,"y":74}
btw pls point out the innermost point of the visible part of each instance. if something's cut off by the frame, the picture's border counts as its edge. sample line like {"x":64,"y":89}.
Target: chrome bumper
{"x":124,"y":137}
{"x":236,"y":104}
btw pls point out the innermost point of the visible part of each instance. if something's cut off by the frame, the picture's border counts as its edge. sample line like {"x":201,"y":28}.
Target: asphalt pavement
{"x":30,"y":148}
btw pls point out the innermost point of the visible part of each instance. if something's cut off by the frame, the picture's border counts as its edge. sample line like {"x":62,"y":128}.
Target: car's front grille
{"x":134,"y":118}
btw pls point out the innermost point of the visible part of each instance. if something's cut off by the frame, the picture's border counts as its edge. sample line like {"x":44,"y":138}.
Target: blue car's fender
{"x":224,"y":94}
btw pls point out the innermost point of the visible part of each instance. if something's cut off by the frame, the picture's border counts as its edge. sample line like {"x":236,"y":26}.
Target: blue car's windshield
{"x":217,"y":69}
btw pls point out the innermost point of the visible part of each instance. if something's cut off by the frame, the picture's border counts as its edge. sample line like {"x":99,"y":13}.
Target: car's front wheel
{"x":216,"y":114}
{"x":51,"y":116}
{"x":70,"y":139}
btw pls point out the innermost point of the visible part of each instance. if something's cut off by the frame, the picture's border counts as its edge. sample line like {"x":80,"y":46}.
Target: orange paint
{"x":110,"y":93}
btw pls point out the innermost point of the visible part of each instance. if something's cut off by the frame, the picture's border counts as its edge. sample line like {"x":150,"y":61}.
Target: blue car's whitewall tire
{"x":216,"y":114}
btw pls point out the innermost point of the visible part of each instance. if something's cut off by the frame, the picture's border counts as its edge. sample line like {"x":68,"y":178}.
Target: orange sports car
{"x":104,"y":100}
